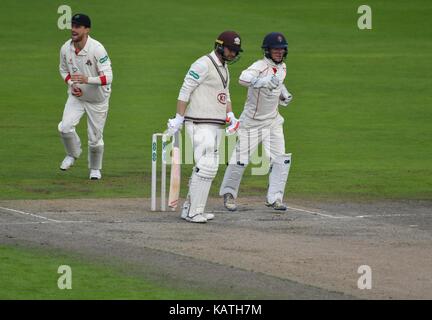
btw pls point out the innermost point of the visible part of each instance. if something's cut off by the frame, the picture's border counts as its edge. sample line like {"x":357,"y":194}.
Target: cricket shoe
{"x":198,"y":218}
{"x":277,"y":205}
{"x":185,"y":211}
{"x":229,"y":202}
{"x":208,"y":216}
{"x":67,"y":163}
{"x":95,"y":174}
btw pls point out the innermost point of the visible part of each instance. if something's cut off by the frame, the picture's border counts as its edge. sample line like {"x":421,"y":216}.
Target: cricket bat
{"x":174,"y":190}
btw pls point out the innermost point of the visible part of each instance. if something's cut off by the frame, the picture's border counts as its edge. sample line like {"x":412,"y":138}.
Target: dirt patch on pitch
{"x":312,"y":251}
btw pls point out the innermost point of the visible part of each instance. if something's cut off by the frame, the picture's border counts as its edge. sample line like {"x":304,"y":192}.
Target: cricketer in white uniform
{"x":262,"y":123}
{"x":86,"y":69}
{"x":204,"y":104}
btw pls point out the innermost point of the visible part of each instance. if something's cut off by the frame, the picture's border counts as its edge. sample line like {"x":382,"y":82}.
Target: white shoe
{"x":229,"y":202}
{"x":198,"y":218}
{"x":185,"y":210}
{"x":208,"y":216}
{"x":67,"y":163}
{"x":95,"y":174}
{"x":277,"y":205}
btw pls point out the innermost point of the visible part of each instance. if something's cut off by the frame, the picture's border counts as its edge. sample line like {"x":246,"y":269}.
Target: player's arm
{"x":251,"y":77}
{"x":234,"y":123}
{"x":103,"y":66}
{"x":285,"y":97}
{"x":64,"y":72}
{"x":194,"y":77}
{"x":248,"y":75}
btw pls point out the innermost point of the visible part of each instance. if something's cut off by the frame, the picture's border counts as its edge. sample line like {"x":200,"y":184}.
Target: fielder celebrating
{"x":86,"y":69}
{"x":261,"y":122}
{"x":204,"y":104}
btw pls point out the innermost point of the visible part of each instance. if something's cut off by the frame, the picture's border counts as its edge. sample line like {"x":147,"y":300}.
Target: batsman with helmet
{"x":262,"y":123}
{"x":204,"y":105}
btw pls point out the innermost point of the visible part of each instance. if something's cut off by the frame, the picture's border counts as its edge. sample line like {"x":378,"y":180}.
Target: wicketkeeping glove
{"x":271,"y":82}
{"x":285,"y":97}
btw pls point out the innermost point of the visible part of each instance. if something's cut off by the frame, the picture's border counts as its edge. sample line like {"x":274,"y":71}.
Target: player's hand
{"x":234,"y":124}
{"x":175,"y":124}
{"x":79,"y":78}
{"x":271,"y":82}
{"x":285,"y":97}
{"x":77,"y":92}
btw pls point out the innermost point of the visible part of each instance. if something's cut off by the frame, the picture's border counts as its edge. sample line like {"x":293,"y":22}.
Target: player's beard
{"x":77,"y":39}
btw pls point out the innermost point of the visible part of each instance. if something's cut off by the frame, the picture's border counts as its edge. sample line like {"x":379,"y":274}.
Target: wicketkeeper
{"x":262,"y":123}
{"x":86,"y":69}
{"x":204,"y":104}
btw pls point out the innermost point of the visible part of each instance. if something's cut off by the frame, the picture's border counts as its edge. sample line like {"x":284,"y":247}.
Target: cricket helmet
{"x":230,"y":40}
{"x":274,"y":40}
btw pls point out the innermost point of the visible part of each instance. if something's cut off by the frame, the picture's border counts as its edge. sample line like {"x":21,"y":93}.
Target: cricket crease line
{"x":23,"y":223}
{"x":390,"y":215}
{"x":40,"y":222}
{"x":319,"y":213}
{"x":29,"y":214}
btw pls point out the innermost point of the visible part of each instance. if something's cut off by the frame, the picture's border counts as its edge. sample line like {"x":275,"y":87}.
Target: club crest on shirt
{"x":89,"y":63}
{"x":222,"y":98}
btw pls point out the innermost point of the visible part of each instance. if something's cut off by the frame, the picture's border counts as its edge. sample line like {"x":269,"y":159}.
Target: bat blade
{"x":174,"y":191}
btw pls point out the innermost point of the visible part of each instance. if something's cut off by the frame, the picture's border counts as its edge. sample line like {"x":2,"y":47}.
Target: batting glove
{"x":175,"y":124}
{"x":234,"y":124}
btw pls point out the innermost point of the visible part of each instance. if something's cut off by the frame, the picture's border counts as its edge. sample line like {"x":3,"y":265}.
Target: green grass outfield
{"x":359,"y":127}
{"x":33,"y":274}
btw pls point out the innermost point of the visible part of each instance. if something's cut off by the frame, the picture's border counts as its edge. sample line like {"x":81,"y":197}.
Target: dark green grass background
{"x":33,"y":274}
{"x":359,"y":126}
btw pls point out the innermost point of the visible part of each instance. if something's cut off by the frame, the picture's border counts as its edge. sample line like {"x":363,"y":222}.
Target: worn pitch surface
{"x":312,"y":251}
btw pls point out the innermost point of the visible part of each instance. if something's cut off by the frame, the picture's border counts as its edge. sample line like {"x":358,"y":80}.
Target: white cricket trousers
{"x":252,"y":132}
{"x":96,"y":118}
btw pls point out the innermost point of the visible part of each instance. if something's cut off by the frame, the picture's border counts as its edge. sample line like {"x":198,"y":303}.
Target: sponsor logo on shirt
{"x":194,"y":75}
{"x":104,"y":59}
{"x":222,"y":98}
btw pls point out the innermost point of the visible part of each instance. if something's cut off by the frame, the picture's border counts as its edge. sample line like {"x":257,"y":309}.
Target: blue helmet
{"x":272,"y":41}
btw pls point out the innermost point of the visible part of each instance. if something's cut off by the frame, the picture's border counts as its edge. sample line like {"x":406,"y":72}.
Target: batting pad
{"x":278,"y":177}
{"x":199,"y":190}
{"x":232,"y":179}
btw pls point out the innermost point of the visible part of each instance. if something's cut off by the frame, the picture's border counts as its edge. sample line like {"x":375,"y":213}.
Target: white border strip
{"x":29,"y":214}
{"x":320,"y":214}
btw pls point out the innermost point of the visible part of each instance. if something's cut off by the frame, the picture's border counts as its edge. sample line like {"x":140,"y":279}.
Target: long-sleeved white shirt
{"x":262,"y":103}
{"x":93,"y":62}
{"x":206,"y":88}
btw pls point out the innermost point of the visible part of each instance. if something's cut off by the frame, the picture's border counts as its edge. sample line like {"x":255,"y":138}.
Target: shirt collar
{"x":84,"y":50}
{"x":271,"y":62}
{"x":216,"y":59}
